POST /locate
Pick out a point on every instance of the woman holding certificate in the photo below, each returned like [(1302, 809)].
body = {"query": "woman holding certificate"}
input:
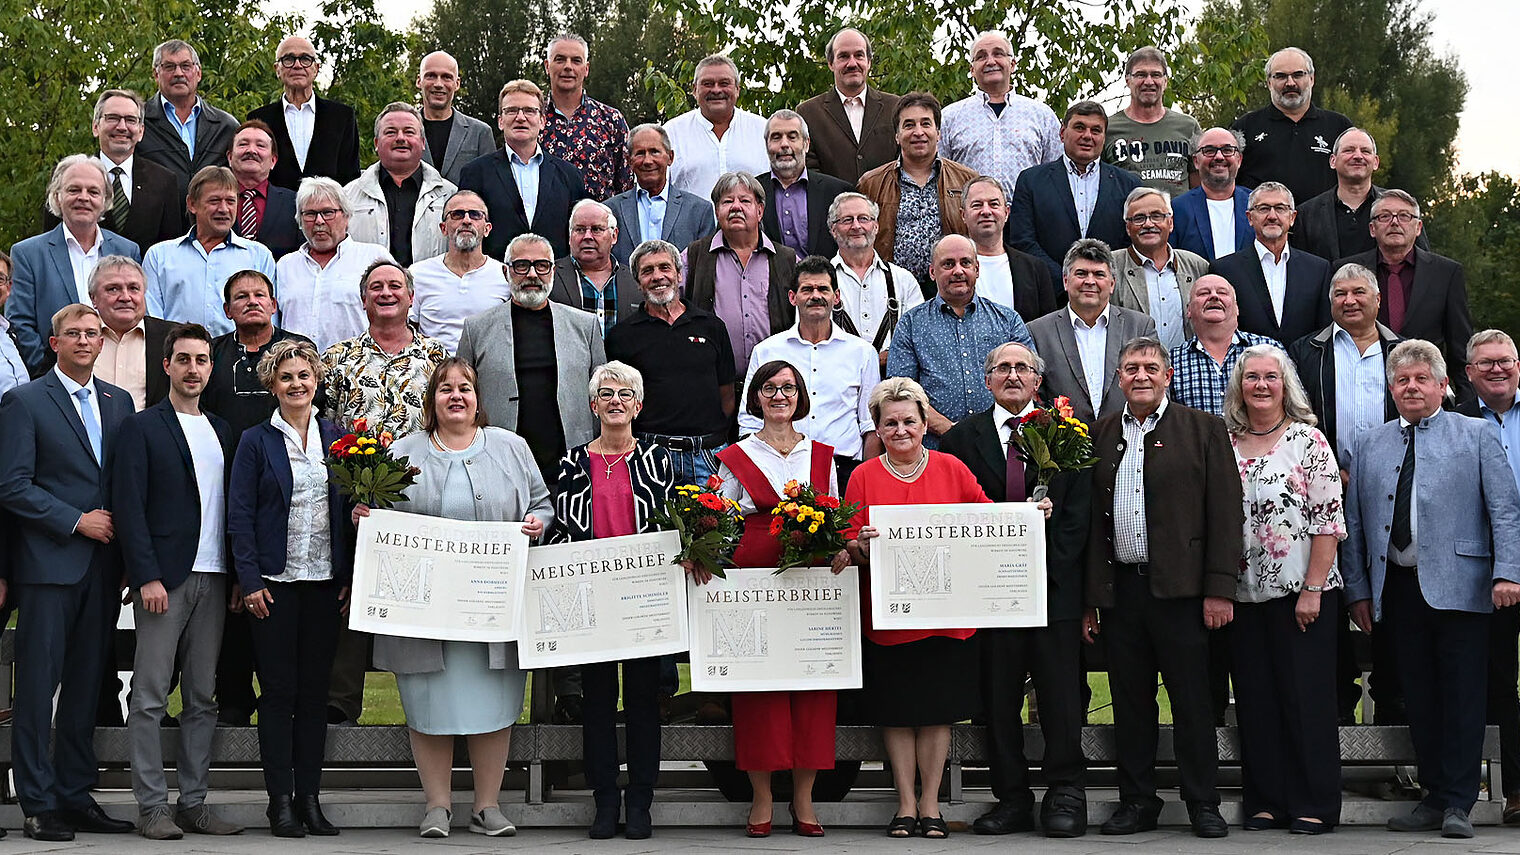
[(778, 730), (1286, 600), (470, 471), (917, 682), (610, 487), (288, 526)]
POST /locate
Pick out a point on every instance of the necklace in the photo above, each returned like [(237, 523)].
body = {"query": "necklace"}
[(913, 473), (1268, 431), (783, 446), (610, 465), (441, 447)]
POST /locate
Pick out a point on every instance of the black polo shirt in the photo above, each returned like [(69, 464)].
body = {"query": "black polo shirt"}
[(685, 365), (233, 390), (1294, 153)]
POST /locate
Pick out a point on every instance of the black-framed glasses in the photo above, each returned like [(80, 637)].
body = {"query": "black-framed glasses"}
[(1003, 369), (294, 60), (1157, 217), (1226, 150), (461, 213), (527, 265), (607, 394), (1403, 218), (323, 214), (771, 390), (1503, 364), (128, 119)]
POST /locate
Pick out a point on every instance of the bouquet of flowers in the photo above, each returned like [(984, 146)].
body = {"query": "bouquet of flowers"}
[(365, 469), (1055, 441), (810, 526), (709, 525)]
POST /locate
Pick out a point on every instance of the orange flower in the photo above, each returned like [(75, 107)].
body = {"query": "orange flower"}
[(792, 489), (714, 482), (1063, 406), (361, 425), (386, 439)]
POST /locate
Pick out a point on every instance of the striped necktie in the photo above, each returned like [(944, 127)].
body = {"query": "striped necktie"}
[(121, 206), (248, 215)]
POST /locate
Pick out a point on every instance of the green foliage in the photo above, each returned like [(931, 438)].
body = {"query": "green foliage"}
[(494, 41), (1476, 220), (371, 66), (1213, 71)]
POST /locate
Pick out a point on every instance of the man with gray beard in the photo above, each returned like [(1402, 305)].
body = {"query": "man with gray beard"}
[(462, 282)]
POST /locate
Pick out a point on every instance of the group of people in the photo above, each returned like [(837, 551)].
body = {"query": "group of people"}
[(867, 294)]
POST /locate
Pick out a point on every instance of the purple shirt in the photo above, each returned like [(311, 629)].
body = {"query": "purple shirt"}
[(792, 213), (740, 298)]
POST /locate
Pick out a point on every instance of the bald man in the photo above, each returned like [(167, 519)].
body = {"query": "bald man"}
[(453, 139), (314, 136)]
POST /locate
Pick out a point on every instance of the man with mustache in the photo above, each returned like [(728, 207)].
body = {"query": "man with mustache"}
[(1336, 223), (1150, 276), (316, 282), (873, 292), (655, 209), (1008, 275), (590, 135), (316, 137), (132, 343), (186, 274), (462, 282), (452, 139), (1147, 137), (797, 198), (399, 199), (533, 358), (996, 131), (852, 122), (266, 212), (717, 137), (182, 132), (1203, 363), (841, 370), (1282, 291), (590, 279), (1290, 139), (1210, 219)]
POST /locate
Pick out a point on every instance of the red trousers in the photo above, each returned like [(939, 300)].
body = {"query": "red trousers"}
[(783, 730)]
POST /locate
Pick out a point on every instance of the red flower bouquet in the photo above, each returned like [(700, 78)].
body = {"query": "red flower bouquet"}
[(1055, 441), (365, 469), (709, 525), (810, 526)]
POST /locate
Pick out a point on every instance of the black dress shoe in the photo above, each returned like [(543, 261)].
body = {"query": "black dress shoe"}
[(310, 812), (1207, 823), (47, 825), (94, 820), (1131, 818), (283, 821), (604, 826), (638, 824), (1064, 815), (1005, 818)]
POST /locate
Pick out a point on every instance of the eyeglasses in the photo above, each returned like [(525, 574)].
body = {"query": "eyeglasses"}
[(589, 230), (528, 265), (459, 214), (1153, 217), (1003, 369), (863, 219), (87, 335), (1148, 75), (1295, 76), (303, 60), (118, 119), (324, 214), (606, 394), (770, 390), (525, 111), (187, 66), (1403, 218), (5, 279), (1503, 364), (1226, 150), (1279, 210)]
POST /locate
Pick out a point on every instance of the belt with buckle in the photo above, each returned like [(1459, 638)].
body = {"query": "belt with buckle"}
[(686, 443), (1141, 569)]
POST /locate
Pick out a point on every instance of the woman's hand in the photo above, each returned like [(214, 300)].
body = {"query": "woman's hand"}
[(258, 603), (360, 510), (1047, 507), (1306, 610), (533, 527), (343, 601), (697, 574), (841, 561)]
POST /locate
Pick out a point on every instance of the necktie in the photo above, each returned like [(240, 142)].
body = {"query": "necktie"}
[(248, 215), (91, 424), (120, 205), (1401, 501), (1014, 489)]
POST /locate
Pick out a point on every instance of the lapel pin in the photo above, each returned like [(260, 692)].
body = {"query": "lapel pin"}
[(1158, 444)]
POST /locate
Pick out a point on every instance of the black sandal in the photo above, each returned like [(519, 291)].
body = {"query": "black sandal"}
[(933, 827), (904, 824)]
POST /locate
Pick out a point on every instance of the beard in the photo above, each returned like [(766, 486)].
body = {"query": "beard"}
[(465, 241), (534, 298)]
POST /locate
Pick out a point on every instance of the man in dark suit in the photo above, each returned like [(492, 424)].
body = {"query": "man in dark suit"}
[(525, 188), (266, 212), (1050, 654), (1162, 560), (168, 496), (453, 139), (1283, 293), (1210, 219), (144, 209), (1009, 276), (797, 198), (853, 120), (1337, 223), (314, 136), (181, 132), (1424, 294), (60, 438), (1047, 217), (1084, 370), (590, 279), (655, 209)]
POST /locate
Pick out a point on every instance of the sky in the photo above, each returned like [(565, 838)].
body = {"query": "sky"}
[(1479, 32)]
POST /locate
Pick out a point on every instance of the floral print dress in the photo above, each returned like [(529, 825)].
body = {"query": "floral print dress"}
[(1292, 494)]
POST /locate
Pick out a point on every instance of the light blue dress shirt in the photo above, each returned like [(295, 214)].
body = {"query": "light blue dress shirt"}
[(526, 176), (1509, 431), (185, 281), (1360, 387), (185, 129), (652, 213), (12, 367)]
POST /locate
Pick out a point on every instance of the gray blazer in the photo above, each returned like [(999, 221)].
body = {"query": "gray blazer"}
[(1129, 281), (1057, 345), (507, 486), (469, 138), (486, 343), (688, 217), (567, 287)]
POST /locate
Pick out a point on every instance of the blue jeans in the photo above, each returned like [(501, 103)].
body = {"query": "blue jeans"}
[(693, 467)]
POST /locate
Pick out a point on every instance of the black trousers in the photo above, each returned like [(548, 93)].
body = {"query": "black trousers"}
[(641, 706), (234, 671), (1285, 700), (1051, 655), (1144, 636), (1443, 667), (294, 649), (1503, 699)]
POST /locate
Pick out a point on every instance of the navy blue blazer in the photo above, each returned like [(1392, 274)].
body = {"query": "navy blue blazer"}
[(155, 499), (49, 479), (559, 188), (1190, 224), (1306, 305), (42, 282), (279, 230), (1042, 216), (258, 507)]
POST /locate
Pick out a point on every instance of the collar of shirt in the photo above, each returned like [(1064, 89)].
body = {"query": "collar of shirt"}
[(141, 327), (795, 334), (645, 195), (1078, 324), (70, 387), (1397, 266), (801, 179), (305, 251), (1424, 423), (172, 115), (313, 432), (933, 173), (233, 239), (580, 106), (125, 165), (1071, 166), (844, 269), (1153, 417), (718, 242), (70, 241), (537, 158), (367, 342), (1000, 417), (1145, 260), (1483, 407), (260, 189), (1278, 115), (1262, 253), (845, 99), (939, 303), (309, 106)]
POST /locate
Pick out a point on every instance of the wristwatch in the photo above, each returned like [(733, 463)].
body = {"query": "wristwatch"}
[(1314, 589)]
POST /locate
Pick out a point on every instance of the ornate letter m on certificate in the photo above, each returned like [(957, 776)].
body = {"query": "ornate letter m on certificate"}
[(566, 608), (920, 570), (739, 634), (403, 578)]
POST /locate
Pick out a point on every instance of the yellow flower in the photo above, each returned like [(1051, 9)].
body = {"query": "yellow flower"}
[(776, 510), (369, 451), (813, 529)]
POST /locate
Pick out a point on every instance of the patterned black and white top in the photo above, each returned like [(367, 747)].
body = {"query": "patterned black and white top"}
[(653, 484)]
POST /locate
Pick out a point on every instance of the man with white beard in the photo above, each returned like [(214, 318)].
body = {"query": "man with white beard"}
[(462, 282)]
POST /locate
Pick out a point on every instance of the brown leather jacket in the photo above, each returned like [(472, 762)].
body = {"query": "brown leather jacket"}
[(880, 184)]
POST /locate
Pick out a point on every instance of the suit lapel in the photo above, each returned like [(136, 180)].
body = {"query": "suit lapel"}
[(504, 175), (988, 446), (818, 215), (171, 422), (155, 110), (58, 252), (1424, 301), (1118, 334), (1062, 189), (1108, 194), (544, 191), (70, 415), (1256, 285), (673, 202), (1200, 217), (1134, 283), (834, 108), (1073, 355), (279, 460), (205, 129)]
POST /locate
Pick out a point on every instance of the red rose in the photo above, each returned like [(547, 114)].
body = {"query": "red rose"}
[(361, 425), (798, 538), (348, 439), (714, 482)]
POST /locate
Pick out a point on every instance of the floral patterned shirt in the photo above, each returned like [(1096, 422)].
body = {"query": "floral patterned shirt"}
[(595, 141), (363, 380), (1292, 494), (918, 223)]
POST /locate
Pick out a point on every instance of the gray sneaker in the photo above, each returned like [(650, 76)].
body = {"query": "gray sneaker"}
[(1456, 824), (1422, 818), (435, 823), (200, 820), (492, 823), (157, 823)]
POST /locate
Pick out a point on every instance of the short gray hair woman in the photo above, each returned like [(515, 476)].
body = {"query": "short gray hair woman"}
[(1284, 650)]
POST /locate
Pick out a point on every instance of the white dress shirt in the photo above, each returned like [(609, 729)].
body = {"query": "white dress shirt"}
[(1092, 344), (300, 122), (777, 469), (701, 158), (323, 303), (308, 535), (995, 281), (82, 262), (865, 300), (1084, 190), (840, 373), (443, 300), (1276, 273), (854, 110), (126, 175), (1000, 418)]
